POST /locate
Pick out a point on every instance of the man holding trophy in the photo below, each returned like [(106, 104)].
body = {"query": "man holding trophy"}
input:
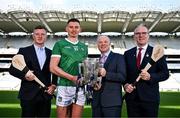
[(66, 55), (113, 74)]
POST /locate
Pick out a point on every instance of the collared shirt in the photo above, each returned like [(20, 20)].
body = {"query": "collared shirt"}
[(104, 56), (41, 55), (107, 53), (71, 41), (143, 51)]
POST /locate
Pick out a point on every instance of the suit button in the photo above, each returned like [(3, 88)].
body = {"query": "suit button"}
[(40, 87)]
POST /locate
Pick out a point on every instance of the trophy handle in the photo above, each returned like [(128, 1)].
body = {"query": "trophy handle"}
[(98, 82), (84, 73)]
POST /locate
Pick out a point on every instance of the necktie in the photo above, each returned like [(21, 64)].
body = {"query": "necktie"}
[(103, 59), (138, 59)]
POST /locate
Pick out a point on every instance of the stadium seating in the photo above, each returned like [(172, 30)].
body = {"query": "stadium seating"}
[(10, 45)]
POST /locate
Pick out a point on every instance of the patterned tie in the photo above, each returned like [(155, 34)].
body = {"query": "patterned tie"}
[(138, 59), (103, 59)]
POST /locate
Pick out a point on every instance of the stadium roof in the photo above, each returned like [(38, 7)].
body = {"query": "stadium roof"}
[(91, 21)]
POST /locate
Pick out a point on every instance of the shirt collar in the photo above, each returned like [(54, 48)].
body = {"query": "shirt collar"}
[(72, 42), (36, 47), (144, 47), (106, 53)]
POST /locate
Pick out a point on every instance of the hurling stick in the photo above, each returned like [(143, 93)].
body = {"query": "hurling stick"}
[(19, 63), (158, 52)]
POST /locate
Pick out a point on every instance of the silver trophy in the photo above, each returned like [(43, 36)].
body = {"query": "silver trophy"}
[(96, 83), (89, 76), (89, 70), (86, 70)]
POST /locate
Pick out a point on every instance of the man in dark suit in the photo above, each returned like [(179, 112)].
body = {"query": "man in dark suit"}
[(107, 100), (143, 99), (34, 101)]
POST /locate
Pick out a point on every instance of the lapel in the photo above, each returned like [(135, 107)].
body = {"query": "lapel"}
[(34, 57), (48, 55), (109, 58), (147, 57), (133, 57)]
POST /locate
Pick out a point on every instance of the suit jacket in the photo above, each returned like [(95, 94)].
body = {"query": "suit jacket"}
[(110, 93), (145, 90), (29, 89)]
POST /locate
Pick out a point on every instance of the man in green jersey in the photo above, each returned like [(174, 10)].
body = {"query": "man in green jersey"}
[(66, 55)]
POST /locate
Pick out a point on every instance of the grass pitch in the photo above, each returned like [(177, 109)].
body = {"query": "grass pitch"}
[(9, 105)]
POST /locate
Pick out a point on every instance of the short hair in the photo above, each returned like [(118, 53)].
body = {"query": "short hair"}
[(100, 36), (73, 20), (141, 25), (40, 27)]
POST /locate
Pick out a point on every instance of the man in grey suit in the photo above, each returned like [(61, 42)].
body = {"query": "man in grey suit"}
[(113, 75)]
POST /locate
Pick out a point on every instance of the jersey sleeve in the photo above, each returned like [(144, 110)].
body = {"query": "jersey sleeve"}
[(56, 52)]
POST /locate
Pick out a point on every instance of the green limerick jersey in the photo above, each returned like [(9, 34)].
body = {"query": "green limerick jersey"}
[(71, 54)]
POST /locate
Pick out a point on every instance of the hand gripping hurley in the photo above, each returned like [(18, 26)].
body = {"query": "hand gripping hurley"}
[(158, 52), (19, 63)]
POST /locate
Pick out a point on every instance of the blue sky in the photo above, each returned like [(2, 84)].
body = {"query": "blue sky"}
[(93, 5)]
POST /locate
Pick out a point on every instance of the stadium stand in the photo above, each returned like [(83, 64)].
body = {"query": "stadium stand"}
[(170, 42), (17, 42), (172, 84), (120, 45), (121, 22), (8, 82), (3, 42)]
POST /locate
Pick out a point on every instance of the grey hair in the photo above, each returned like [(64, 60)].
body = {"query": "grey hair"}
[(100, 36), (141, 25)]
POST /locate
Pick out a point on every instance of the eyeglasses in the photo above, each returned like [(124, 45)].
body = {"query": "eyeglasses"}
[(141, 33)]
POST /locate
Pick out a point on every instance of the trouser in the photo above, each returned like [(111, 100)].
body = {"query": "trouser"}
[(114, 111), (142, 109), (37, 107)]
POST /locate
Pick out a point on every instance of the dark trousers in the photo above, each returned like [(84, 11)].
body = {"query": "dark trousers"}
[(114, 111), (37, 107), (142, 109)]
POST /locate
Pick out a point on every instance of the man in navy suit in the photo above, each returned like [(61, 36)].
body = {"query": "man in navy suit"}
[(107, 100), (34, 101), (143, 99)]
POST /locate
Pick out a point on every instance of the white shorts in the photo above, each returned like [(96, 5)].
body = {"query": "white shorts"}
[(66, 96)]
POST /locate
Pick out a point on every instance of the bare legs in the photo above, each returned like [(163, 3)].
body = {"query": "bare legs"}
[(72, 111)]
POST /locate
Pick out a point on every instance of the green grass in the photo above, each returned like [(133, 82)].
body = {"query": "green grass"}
[(9, 105)]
